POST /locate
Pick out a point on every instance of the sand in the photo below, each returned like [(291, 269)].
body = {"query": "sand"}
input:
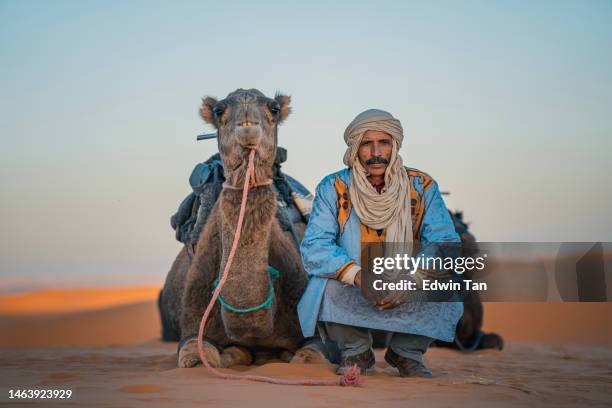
[(103, 344)]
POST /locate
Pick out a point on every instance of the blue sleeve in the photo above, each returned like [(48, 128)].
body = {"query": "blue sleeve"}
[(437, 227), (321, 255)]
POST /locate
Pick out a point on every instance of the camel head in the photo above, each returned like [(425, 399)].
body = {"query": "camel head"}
[(246, 119)]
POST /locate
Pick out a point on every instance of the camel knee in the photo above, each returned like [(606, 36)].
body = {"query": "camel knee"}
[(309, 354), (189, 355), (234, 355)]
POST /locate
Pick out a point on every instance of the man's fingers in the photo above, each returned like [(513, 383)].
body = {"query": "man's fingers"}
[(382, 305)]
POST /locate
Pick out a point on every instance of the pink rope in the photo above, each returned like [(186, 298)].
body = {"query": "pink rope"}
[(352, 374), (263, 183)]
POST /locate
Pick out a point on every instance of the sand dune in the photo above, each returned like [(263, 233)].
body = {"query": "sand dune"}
[(93, 317), (105, 347), (125, 324), (53, 301)]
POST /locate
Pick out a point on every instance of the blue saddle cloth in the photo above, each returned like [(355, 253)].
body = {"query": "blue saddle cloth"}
[(207, 179)]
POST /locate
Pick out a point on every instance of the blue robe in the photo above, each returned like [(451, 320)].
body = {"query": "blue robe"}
[(327, 247)]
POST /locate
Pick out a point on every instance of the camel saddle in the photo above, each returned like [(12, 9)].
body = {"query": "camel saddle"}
[(294, 200)]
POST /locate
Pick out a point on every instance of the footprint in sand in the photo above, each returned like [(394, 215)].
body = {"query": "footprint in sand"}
[(143, 388)]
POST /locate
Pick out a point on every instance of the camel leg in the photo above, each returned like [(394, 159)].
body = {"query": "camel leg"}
[(309, 354), (235, 355), (196, 295), (285, 257), (190, 357)]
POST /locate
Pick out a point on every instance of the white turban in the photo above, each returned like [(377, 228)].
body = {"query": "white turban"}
[(391, 208), (371, 119)]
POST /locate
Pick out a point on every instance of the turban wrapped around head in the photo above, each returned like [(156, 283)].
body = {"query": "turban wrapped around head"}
[(389, 209), (371, 119)]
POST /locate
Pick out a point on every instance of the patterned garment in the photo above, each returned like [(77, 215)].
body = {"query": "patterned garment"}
[(332, 243)]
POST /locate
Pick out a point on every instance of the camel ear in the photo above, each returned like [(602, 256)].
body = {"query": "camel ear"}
[(285, 109), (206, 110)]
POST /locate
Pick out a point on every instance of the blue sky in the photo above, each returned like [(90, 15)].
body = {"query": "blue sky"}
[(508, 105)]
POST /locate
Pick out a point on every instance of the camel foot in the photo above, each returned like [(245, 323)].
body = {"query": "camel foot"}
[(190, 357), (286, 356), (236, 356), (309, 354)]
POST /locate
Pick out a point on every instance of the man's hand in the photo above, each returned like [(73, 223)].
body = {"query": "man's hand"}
[(393, 299)]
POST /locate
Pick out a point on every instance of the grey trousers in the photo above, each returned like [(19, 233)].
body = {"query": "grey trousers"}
[(356, 340)]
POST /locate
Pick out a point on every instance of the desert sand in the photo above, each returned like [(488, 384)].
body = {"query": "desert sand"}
[(104, 345)]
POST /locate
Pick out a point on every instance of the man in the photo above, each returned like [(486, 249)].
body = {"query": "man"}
[(375, 199)]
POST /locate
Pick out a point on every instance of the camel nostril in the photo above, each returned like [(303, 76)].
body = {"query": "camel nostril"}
[(248, 123)]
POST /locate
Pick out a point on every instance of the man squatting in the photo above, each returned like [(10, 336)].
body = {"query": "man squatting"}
[(374, 199)]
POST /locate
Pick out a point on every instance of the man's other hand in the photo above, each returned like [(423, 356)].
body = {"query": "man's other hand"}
[(393, 299), (389, 305)]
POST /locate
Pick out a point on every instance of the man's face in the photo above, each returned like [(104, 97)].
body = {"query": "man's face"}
[(375, 152)]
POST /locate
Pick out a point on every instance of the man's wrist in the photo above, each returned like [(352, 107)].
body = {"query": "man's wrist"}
[(349, 274)]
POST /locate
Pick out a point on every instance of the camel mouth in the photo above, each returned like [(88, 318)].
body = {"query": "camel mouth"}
[(246, 150), (249, 144)]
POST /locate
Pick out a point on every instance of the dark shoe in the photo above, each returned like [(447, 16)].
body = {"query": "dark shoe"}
[(407, 367), (364, 361), (491, 340)]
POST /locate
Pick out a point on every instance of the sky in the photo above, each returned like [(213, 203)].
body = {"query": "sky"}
[(508, 105)]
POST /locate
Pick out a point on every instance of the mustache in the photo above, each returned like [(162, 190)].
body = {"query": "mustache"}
[(376, 160)]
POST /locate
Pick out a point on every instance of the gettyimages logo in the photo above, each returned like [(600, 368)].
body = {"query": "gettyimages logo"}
[(515, 271)]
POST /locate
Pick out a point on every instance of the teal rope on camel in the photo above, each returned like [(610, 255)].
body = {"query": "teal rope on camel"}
[(274, 274)]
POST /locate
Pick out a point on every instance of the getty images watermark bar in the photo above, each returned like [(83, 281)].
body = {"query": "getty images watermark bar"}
[(493, 271)]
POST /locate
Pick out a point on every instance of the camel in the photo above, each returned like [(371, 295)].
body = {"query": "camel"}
[(266, 279), (469, 335)]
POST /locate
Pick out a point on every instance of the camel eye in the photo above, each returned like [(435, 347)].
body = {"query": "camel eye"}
[(274, 108), (218, 110)]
